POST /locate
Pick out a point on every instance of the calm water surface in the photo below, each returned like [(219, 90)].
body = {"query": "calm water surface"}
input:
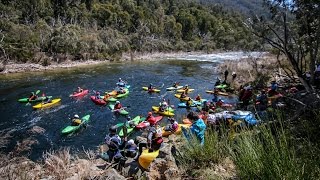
[(20, 118)]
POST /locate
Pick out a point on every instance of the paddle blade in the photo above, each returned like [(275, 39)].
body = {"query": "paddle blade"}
[(38, 91)]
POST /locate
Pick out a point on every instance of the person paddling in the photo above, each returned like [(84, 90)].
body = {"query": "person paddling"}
[(76, 121)]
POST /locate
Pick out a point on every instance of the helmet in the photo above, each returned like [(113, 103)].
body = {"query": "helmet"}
[(98, 93), (113, 129), (119, 78), (117, 102), (131, 142), (78, 87), (149, 113), (128, 118), (150, 84), (76, 116), (187, 85)]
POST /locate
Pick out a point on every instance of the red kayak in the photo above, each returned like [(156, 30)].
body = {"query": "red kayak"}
[(145, 124), (98, 101), (78, 94)]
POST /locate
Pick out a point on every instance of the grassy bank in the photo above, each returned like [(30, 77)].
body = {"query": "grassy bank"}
[(265, 152)]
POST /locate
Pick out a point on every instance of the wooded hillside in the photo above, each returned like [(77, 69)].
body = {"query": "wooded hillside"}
[(34, 30)]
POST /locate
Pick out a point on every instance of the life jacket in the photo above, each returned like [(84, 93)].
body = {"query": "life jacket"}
[(151, 119), (174, 126), (118, 106), (76, 121), (157, 136)]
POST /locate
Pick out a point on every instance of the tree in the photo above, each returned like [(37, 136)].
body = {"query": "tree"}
[(293, 30)]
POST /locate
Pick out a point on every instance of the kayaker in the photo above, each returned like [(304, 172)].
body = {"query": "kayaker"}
[(76, 121), (150, 87), (183, 94), (150, 118), (198, 97), (189, 102), (234, 75), (186, 88), (80, 90), (262, 101), (273, 88), (114, 142), (215, 95), (218, 82), (98, 95), (175, 84), (173, 126), (226, 73), (154, 138), (121, 90), (219, 103), (47, 100), (163, 105), (106, 97), (121, 83), (118, 105), (197, 128), (130, 149), (33, 96), (246, 97)]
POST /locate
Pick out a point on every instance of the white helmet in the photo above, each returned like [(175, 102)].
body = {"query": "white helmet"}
[(76, 116), (131, 142), (117, 102)]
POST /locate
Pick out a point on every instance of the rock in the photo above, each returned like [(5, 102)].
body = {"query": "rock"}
[(140, 139), (2, 67), (36, 130)]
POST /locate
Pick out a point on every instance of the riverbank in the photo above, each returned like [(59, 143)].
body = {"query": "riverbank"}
[(12, 67)]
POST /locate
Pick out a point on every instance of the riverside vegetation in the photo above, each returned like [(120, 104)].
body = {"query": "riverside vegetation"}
[(48, 31)]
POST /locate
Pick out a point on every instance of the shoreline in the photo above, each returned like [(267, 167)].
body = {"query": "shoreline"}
[(15, 68)]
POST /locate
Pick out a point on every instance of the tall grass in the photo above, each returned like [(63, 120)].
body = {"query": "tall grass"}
[(265, 152), (194, 156)]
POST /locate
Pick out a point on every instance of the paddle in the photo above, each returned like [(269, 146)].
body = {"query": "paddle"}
[(37, 92)]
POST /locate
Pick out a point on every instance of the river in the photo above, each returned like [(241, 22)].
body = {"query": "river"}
[(198, 71)]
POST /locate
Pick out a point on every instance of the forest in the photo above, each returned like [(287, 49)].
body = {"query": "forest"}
[(41, 31)]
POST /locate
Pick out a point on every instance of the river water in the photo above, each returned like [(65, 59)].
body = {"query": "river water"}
[(198, 71)]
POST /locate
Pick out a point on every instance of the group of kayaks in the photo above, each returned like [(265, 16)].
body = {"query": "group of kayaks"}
[(137, 122)]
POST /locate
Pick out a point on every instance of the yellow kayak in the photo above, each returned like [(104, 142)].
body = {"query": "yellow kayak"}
[(182, 99), (44, 105), (178, 131), (151, 90), (112, 93), (219, 93), (146, 158), (182, 90), (164, 113)]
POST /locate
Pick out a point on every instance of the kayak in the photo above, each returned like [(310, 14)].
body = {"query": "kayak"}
[(41, 98), (147, 157), (98, 101), (184, 105), (174, 88), (112, 93), (145, 124), (44, 105), (110, 99), (182, 90), (78, 94), (121, 111), (178, 131), (131, 125), (156, 108), (164, 113), (219, 93), (222, 86), (151, 90), (182, 99), (69, 129), (123, 95)]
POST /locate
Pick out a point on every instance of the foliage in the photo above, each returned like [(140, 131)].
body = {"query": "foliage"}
[(264, 152), (105, 29)]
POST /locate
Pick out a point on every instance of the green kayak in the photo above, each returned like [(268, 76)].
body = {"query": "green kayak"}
[(121, 111), (123, 95), (132, 124), (41, 98), (222, 86), (111, 99), (69, 129)]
